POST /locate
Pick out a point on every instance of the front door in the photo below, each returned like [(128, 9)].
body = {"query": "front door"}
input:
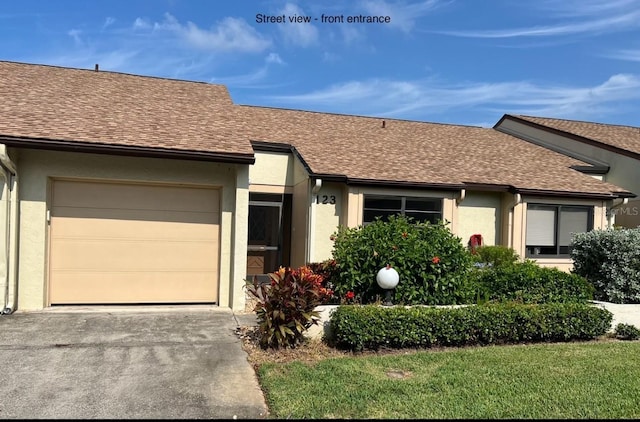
[(268, 242)]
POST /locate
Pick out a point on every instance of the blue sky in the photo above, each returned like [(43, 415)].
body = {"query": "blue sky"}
[(449, 61)]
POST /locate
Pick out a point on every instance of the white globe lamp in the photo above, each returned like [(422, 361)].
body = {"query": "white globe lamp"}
[(388, 278)]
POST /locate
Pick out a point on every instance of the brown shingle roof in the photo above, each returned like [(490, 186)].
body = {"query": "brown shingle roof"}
[(360, 149), (115, 109), (49, 106), (626, 138)]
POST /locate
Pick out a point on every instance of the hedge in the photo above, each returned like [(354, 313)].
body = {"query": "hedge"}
[(372, 327)]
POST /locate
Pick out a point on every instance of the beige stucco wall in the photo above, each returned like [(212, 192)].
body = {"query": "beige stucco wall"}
[(480, 213), (327, 217), (4, 262), (272, 169), (36, 168), (624, 171)]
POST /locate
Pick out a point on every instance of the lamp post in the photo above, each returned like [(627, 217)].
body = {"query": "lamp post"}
[(387, 278)]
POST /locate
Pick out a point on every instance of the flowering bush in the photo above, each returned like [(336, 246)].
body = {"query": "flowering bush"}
[(327, 270), (432, 263), (285, 307)]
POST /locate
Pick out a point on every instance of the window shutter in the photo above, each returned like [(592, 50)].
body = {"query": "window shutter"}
[(541, 227), (572, 220)]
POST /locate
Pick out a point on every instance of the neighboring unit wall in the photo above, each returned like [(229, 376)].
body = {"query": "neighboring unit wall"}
[(479, 213), (624, 171), (38, 166)]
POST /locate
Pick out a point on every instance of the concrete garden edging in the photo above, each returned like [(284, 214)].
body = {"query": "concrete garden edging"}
[(623, 313)]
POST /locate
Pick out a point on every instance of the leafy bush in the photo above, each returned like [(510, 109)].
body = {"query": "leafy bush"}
[(328, 270), (372, 327), (285, 307), (495, 256), (627, 332), (432, 263), (527, 282), (610, 260)]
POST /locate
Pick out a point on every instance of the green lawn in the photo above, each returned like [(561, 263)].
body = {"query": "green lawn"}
[(574, 380)]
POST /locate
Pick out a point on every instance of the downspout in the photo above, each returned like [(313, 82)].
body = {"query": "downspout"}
[(517, 199), (312, 220), (10, 174), (460, 198), (624, 201)]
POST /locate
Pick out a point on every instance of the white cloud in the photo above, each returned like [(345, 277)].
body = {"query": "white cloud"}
[(572, 17), (75, 34), (416, 98), (274, 58), (301, 34), (253, 79), (628, 55), (141, 23), (108, 22), (609, 24), (580, 8), (230, 34), (403, 15)]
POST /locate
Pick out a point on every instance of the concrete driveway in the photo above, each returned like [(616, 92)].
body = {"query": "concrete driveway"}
[(125, 364)]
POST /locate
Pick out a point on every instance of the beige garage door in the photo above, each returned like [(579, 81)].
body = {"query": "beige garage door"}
[(126, 243)]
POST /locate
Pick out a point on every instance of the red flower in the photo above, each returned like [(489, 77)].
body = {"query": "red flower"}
[(350, 295), (435, 260), (405, 234)]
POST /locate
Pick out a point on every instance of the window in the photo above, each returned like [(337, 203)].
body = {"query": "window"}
[(420, 209), (549, 228)]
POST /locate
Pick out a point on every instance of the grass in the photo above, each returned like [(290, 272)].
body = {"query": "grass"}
[(599, 379)]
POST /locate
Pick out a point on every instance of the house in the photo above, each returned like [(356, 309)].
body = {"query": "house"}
[(613, 149), (126, 189)]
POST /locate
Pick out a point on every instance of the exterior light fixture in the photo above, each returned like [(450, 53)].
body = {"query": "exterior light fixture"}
[(388, 278)]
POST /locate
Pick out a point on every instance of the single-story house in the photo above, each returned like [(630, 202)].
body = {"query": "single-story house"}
[(126, 189), (614, 149)]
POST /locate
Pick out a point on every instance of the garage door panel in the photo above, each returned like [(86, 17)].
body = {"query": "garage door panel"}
[(119, 243), (145, 287), (191, 217), (135, 197), (88, 228), (124, 255)]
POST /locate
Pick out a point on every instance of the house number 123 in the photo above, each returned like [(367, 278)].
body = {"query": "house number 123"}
[(325, 199)]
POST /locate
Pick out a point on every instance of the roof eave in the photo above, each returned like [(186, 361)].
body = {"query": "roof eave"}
[(578, 195), (569, 135), (126, 150)]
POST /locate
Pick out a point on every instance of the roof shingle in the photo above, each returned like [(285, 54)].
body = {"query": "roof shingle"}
[(623, 137), (50, 104), (360, 148), (98, 107)]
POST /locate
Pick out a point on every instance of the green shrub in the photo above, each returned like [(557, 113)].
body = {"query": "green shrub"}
[(328, 270), (495, 256), (527, 282), (372, 327), (432, 263), (285, 307), (610, 260), (627, 332)]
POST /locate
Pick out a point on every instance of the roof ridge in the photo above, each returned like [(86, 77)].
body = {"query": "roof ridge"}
[(112, 72), (577, 121), (359, 116)]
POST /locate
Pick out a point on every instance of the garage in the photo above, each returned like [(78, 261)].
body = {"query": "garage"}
[(125, 243)]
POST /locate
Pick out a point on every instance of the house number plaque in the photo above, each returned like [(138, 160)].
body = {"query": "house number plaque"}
[(325, 199)]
